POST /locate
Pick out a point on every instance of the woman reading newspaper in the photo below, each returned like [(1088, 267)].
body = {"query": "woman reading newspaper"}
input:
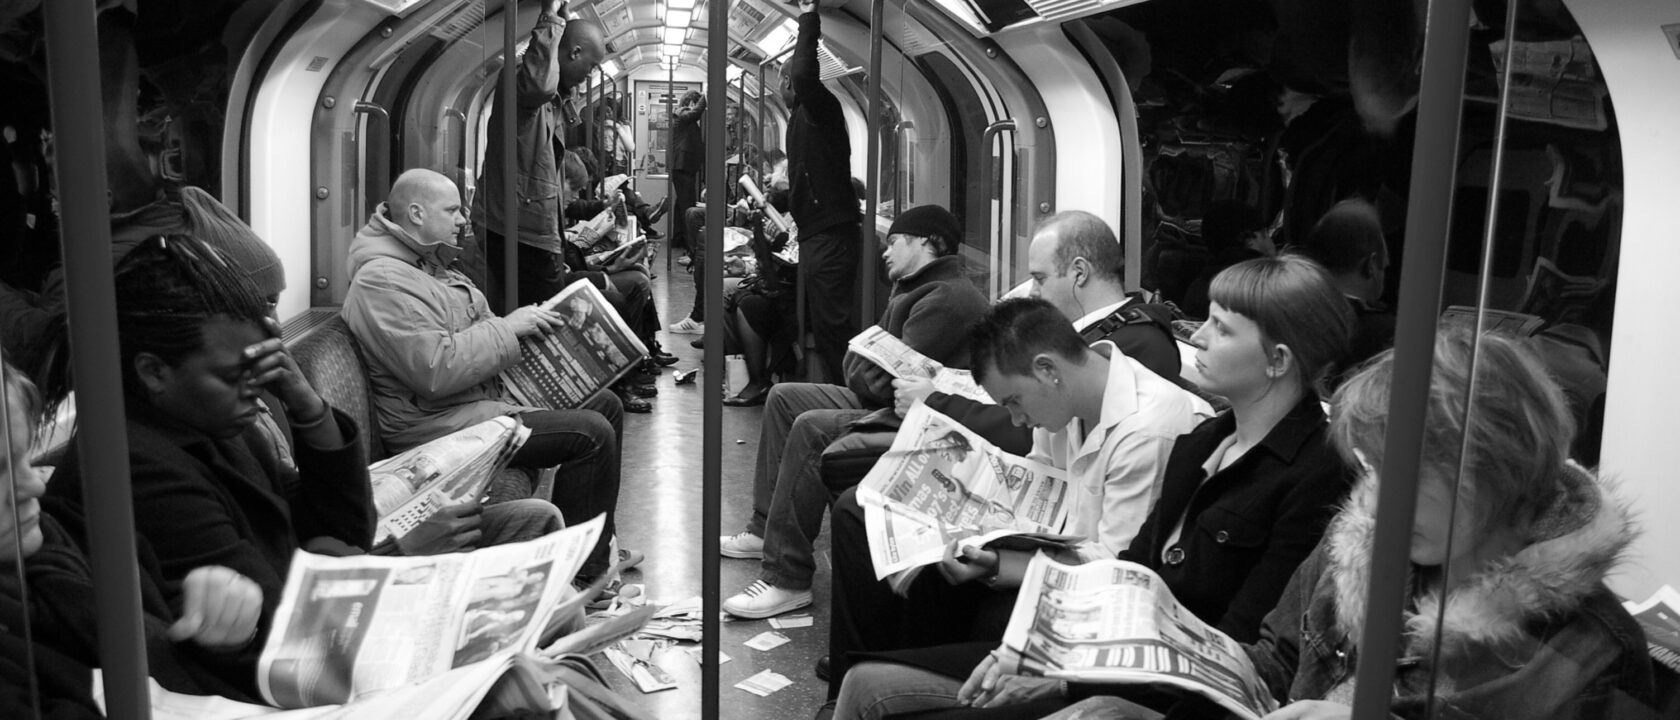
[(1244, 497)]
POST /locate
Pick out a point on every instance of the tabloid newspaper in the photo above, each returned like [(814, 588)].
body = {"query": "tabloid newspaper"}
[(350, 626), (1113, 621), (880, 347), (413, 486), (940, 483), (560, 370)]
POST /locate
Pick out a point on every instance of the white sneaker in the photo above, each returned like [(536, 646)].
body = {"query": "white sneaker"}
[(686, 326), (762, 600), (743, 545)]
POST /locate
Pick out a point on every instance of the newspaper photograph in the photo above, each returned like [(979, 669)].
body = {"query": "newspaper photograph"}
[(1659, 617), (561, 369), (891, 354), (349, 626), (411, 487), (941, 483), (1116, 622)]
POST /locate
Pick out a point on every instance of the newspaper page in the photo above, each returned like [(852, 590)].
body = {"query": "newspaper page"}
[(893, 355), (940, 483), (1114, 621), (508, 682), (411, 487), (1554, 81), (560, 370), (1659, 616), (349, 626)]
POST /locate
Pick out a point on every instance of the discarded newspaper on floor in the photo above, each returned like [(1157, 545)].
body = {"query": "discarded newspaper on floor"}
[(411, 487), (940, 482), (348, 626), (1112, 621), (592, 349), (902, 361)]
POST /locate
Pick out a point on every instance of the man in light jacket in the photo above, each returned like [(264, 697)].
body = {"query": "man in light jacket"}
[(434, 352)]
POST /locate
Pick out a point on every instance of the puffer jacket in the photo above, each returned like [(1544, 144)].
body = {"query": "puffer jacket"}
[(433, 347), (536, 178), (1535, 635)]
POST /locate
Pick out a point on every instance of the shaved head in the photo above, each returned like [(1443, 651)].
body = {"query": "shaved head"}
[(582, 47), (426, 204)]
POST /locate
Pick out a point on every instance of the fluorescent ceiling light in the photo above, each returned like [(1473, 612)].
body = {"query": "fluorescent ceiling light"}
[(678, 18), (670, 51), (610, 67), (732, 72), (675, 36), (680, 4)]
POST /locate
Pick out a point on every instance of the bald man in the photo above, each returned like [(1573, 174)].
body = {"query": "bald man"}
[(558, 57), (434, 350)]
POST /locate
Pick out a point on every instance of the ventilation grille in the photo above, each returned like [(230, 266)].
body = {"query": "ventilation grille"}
[(463, 19)]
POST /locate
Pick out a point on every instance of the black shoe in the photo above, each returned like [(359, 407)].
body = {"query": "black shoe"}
[(822, 668), (747, 400), (662, 359), (642, 390), (698, 342), (658, 211), (633, 404)]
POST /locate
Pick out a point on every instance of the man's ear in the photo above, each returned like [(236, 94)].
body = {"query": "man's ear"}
[(153, 372), (575, 53), (1082, 267), (1047, 368)]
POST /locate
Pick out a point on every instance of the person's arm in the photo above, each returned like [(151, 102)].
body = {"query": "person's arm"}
[(989, 421), (407, 336), (334, 497), (807, 81), (538, 76), (1134, 471), (871, 383), (1277, 654)]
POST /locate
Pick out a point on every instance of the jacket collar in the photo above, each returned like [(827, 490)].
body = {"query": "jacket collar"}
[(1284, 440), (945, 267), (1578, 541), (381, 237)]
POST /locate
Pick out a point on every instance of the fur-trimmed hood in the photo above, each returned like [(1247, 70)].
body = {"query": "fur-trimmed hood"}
[(1575, 543)]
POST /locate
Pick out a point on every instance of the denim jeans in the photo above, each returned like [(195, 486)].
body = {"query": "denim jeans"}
[(789, 499), (519, 520), (584, 443), (874, 689)]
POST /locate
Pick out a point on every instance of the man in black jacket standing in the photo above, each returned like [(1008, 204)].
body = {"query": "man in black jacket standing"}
[(823, 202)]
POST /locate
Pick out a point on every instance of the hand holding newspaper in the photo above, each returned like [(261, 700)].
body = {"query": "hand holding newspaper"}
[(560, 370), (349, 626), (1113, 621), (880, 347), (940, 483), (411, 487)]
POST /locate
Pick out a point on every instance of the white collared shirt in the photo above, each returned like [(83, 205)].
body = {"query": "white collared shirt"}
[(1114, 468), (1096, 316)]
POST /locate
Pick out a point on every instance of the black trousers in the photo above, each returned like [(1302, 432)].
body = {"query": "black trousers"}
[(541, 274), (865, 615), (828, 262), (685, 192)]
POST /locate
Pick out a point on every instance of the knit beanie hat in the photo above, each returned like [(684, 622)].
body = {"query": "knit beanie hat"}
[(211, 221), (930, 221)]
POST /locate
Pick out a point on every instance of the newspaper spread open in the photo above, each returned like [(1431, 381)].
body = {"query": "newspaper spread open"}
[(902, 361), (561, 369), (413, 486), (940, 483), (348, 626), (1116, 622), (1659, 616)]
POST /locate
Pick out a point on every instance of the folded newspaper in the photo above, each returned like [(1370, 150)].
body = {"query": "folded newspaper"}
[(902, 361), (350, 626), (561, 369), (1112, 621), (411, 487), (941, 483), (1659, 616)]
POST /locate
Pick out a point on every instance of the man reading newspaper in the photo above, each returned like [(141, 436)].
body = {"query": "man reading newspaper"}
[(932, 303), (1097, 415)]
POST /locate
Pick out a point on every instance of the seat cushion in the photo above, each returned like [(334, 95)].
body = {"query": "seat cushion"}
[(331, 361)]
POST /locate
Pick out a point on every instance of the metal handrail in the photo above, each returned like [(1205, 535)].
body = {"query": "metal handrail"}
[(994, 191)]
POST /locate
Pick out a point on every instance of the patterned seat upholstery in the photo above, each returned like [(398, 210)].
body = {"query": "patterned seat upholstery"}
[(332, 362)]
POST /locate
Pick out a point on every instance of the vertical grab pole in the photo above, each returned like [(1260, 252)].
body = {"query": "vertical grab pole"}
[(675, 214), (1428, 218), (91, 298), (717, 102), (867, 254), (510, 160)]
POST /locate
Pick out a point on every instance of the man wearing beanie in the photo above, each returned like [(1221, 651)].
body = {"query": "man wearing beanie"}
[(932, 304), (821, 198)]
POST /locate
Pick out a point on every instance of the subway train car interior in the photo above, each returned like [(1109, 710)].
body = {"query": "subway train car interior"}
[(839, 358)]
